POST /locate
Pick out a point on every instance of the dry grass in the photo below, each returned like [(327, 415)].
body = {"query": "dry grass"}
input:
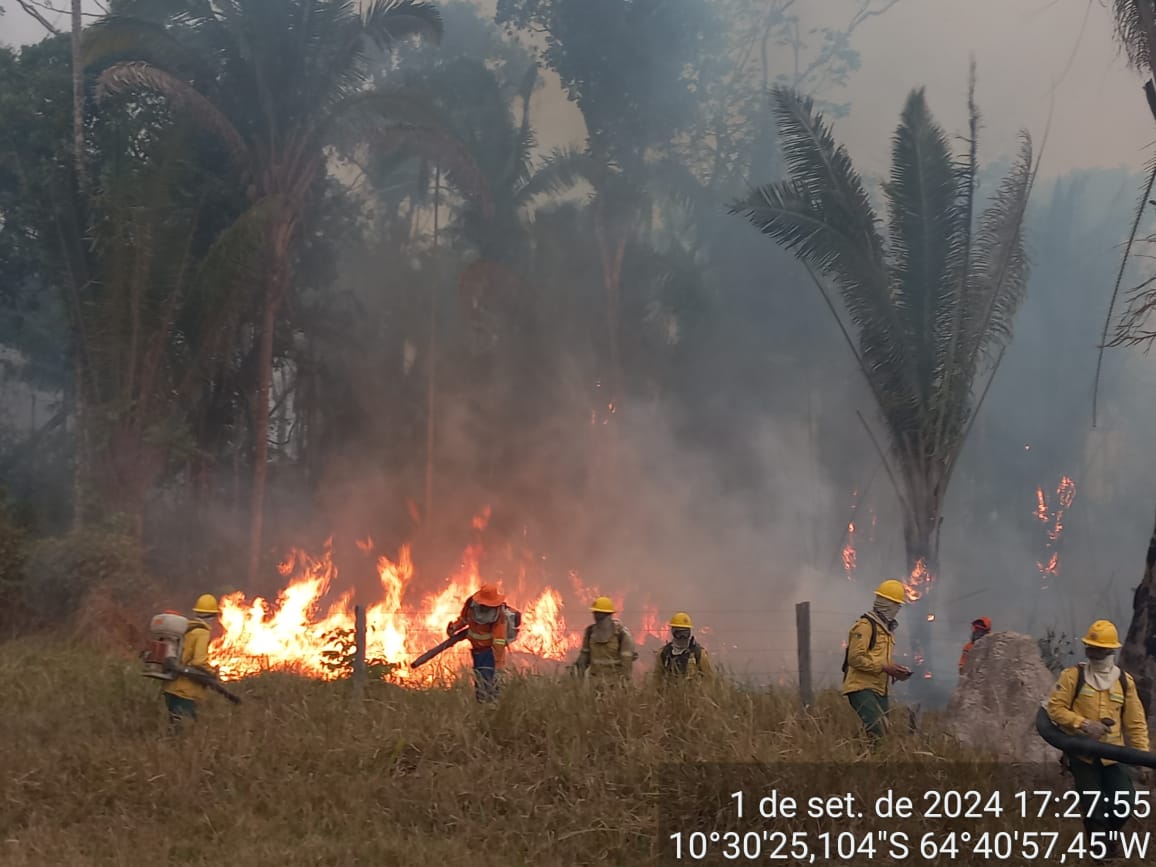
[(301, 773)]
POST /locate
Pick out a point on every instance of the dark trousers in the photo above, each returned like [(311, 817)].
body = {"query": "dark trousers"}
[(872, 709), (179, 708), (1095, 776), (485, 675)]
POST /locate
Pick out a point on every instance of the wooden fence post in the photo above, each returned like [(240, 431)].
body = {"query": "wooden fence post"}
[(358, 650), (803, 632)]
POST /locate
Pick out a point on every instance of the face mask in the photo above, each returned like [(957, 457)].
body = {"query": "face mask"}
[(680, 639), (603, 627), (1102, 666), (484, 613), (886, 608)]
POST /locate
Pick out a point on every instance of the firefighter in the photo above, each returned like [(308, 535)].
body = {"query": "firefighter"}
[(607, 646), (1097, 700), (682, 657), (867, 666), (980, 627), (183, 693), (484, 616)]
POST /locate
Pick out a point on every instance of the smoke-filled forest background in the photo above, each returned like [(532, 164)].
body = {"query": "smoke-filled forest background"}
[(641, 388)]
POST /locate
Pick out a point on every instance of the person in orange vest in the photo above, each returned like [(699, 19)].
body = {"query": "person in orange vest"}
[(980, 627), (484, 614)]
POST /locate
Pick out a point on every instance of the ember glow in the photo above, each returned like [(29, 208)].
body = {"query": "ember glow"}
[(918, 582), (295, 632), (849, 555), (1053, 519), (849, 552)]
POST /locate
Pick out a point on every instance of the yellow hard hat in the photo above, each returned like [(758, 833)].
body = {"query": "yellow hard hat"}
[(1102, 633), (602, 605), (206, 604), (891, 589), (681, 620)]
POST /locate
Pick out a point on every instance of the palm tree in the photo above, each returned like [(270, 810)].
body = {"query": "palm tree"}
[(932, 305), (1136, 31), (279, 84)]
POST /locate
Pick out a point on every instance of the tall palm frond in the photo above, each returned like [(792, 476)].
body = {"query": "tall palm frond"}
[(560, 172), (997, 273), (931, 308), (926, 221), (1134, 30), (824, 216), (136, 76), (144, 41), (387, 22)]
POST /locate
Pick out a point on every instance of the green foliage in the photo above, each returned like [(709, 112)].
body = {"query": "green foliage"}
[(13, 557), (61, 571), (338, 657), (630, 67), (35, 101)]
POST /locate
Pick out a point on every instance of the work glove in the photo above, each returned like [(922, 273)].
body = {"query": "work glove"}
[(1093, 729), (450, 629), (899, 672)]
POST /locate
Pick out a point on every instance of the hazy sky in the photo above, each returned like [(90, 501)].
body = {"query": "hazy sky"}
[(1023, 49)]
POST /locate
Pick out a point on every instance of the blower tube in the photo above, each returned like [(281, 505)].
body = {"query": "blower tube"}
[(1084, 746)]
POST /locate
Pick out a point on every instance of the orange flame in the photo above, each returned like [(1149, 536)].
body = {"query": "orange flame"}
[(849, 555), (1066, 492), (919, 581), (1049, 567), (1041, 506), (849, 552), (300, 633)]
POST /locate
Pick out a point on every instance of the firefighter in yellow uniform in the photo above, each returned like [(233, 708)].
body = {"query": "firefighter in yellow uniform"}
[(182, 694), (867, 666), (682, 658), (1097, 700), (607, 646)]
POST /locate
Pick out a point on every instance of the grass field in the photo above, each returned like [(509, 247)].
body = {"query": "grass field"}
[(301, 773)]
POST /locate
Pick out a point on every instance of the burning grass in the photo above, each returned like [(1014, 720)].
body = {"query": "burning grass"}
[(302, 773)]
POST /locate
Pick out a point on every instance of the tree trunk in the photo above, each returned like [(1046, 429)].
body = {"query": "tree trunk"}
[(921, 542), (77, 97), (261, 429), (1138, 656), (431, 360), (80, 441), (81, 456)]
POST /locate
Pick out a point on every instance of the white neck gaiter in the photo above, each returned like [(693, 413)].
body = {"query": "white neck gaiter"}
[(1102, 673), (603, 630)]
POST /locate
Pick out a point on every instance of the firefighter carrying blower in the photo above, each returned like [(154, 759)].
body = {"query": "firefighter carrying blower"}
[(1099, 701), (178, 653), (489, 625)]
